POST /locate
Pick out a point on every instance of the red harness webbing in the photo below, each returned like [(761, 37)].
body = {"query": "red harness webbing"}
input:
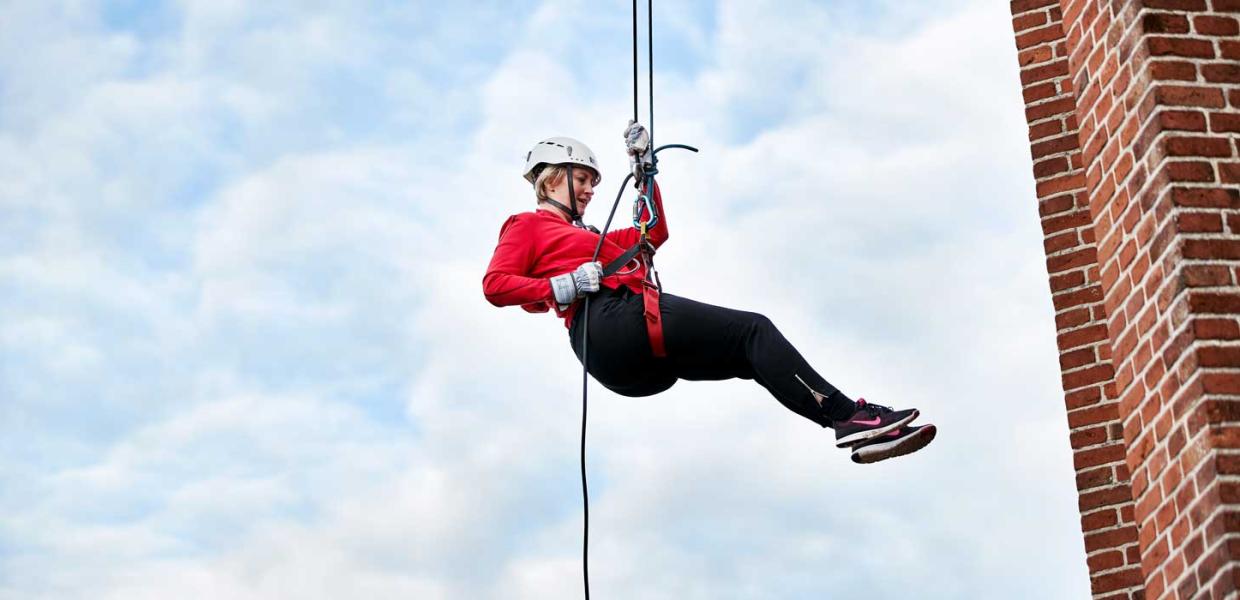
[(654, 318), (643, 252)]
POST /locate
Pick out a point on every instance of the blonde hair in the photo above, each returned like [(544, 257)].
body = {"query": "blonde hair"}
[(552, 175)]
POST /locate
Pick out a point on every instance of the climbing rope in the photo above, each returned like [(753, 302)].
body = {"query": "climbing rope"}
[(585, 337), (644, 201)]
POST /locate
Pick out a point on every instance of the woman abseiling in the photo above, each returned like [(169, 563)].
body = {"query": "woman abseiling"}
[(543, 262)]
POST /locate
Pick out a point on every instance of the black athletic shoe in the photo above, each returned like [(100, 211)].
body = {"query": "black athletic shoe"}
[(869, 421), (895, 443)]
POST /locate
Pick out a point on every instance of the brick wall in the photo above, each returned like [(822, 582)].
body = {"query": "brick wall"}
[(1095, 429), (1134, 111)]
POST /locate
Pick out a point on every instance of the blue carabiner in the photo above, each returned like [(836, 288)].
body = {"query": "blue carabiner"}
[(644, 201)]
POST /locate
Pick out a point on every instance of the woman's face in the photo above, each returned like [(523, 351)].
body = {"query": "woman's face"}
[(583, 186)]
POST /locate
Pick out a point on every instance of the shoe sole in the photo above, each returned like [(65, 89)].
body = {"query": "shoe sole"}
[(851, 440), (873, 453)]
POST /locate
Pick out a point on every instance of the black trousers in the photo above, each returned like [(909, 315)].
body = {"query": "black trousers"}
[(703, 342)]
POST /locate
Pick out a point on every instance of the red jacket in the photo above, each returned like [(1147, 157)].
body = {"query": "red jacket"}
[(536, 246)]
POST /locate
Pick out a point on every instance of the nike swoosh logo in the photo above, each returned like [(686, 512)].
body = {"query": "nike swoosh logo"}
[(876, 421)]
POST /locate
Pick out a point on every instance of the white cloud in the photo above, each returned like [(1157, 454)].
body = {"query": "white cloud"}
[(293, 387)]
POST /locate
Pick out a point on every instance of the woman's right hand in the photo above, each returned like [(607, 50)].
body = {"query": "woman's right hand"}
[(637, 142), (571, 286), (636, 138)]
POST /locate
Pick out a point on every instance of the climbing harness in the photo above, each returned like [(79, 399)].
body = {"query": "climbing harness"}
[(645, 217)]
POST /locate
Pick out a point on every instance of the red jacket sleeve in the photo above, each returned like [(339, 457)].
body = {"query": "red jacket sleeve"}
[(507, 282), (628, 236)]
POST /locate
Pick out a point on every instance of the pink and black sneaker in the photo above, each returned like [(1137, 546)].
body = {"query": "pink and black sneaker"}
[(896, 442), (870, 420)]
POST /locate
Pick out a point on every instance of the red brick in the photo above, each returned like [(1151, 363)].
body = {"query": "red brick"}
[(1161, 241), (1067, 281), (1221, 383), (1065, 106), (1029, 21), (1205, 197), (1199, 222), (1230, 50), (1225, 122), (1081, 398), (1206, 275), (1054, 146), (1175, 95), (1168, 46), (1022, 6), (1044, 72), (1173, 70), (1059, 243), (1216, 329), (1071, 260), (1051, 166), (1104, 561), (1198, 146), (1116, 580), (1083, 378), (1041, 91), (1214, 303), (1111, 538), (1217, 411), (1033, 56), (1100, 519), (1225, 437), (1049, 33), (1155, 587), (1221, 73), (1229, 172), (1098, 499), (1197, 5), (1190, 171), (1090, 437), (1165, 23), (1072, 318), (1174, 348), (1217, 356), (1211, 563), (1045, 130), (1056, 204), (1228, 464), (1214, 25), (1081, 337), (1229, 492), (1228, 249), (1182, 120)]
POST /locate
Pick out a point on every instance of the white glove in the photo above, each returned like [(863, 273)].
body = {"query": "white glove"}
[(636, 138), (571, 286), (637, 141)]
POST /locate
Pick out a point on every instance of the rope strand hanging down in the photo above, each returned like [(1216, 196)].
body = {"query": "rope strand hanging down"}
[(585, 338), (648, 189)]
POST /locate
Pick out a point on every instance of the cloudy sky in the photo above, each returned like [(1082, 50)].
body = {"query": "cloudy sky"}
[(245, 352)]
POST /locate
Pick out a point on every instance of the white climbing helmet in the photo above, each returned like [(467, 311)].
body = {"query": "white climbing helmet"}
[(557, 151)]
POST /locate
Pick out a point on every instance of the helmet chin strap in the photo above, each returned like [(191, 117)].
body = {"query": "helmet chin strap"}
[(572, 197), (563, 208), (572, 213)]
